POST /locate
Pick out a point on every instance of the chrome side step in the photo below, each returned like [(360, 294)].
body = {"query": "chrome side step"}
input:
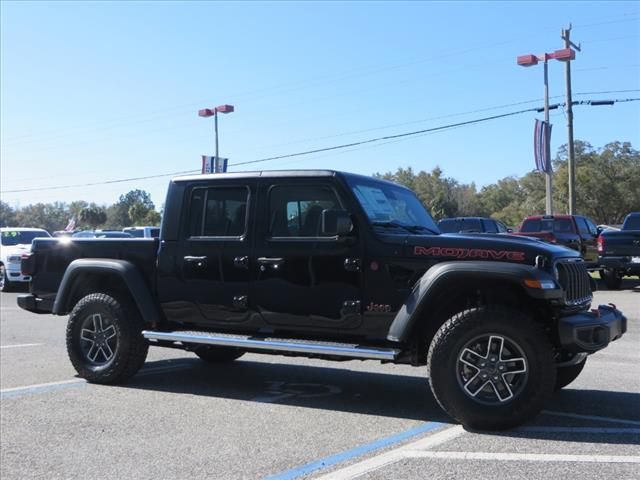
[(273, 344)]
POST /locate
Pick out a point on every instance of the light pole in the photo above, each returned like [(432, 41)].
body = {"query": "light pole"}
[(565, 54), (213, 112)]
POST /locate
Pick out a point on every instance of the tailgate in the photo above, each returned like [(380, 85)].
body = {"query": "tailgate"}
[(622, 244)]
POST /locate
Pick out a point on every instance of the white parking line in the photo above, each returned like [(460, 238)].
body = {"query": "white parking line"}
[(524, 457), (592, 417), (392, 456), (77, 382), (22, 345), (42, 386)]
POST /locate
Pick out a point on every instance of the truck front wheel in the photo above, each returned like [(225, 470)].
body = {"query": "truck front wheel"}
[(491, 368), (104, 339)]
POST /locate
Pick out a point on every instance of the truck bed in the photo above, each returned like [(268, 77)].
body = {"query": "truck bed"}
[(53, 255)]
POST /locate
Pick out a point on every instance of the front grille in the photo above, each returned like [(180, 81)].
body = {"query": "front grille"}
[(574, 279)]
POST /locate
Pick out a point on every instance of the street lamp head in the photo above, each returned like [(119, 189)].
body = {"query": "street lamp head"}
[(564, 55), (206, 112), (527, 60), (225, 108)]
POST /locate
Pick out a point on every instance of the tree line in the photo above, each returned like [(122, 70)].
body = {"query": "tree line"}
[(607, 188), (132, 208)]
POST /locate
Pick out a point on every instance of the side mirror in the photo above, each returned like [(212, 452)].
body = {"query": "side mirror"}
[(599, 230), (509, 230), (336, 222)]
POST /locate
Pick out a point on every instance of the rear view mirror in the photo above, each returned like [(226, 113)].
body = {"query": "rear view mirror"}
[(336, 222)]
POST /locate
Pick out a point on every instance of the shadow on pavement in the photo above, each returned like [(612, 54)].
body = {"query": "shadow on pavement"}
[(308, 386), (381, 394)]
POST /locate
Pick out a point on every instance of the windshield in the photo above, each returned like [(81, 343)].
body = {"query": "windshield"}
[(390, 206), (17, 237), (632, 222)]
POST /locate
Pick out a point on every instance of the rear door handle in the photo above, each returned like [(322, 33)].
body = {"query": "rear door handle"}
[(199, 261), (270, 260)]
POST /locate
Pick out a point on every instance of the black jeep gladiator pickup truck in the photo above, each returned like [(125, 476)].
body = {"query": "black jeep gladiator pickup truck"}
[(329, 265)]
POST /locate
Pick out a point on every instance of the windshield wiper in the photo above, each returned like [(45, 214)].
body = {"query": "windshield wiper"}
[(408, 228)]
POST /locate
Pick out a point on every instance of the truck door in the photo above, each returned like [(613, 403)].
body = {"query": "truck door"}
[(589, 238), (302, 278), (210, 284)]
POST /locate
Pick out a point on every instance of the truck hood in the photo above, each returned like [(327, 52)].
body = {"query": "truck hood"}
[(483, 246)]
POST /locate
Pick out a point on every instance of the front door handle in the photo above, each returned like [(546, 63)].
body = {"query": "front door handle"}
[(199, 261), (241, 262), (274, 262)]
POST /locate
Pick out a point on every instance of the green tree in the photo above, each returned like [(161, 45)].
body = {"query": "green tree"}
[(50, 216), (93, 216), (7, 215), (136, 202)]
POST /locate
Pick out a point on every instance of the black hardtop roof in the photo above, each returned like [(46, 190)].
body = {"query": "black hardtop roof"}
[(280, 174)]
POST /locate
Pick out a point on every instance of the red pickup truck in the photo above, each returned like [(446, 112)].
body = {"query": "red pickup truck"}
[(573, 231)]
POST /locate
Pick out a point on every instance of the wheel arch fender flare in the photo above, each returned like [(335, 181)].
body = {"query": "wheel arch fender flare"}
[(130, 275), (446, 274)]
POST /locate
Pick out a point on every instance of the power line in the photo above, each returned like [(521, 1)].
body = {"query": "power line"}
[(330, 148)]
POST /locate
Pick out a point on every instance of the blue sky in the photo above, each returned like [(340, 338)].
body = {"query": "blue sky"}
[(95, 91)]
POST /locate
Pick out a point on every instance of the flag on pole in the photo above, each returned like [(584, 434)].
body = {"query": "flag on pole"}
[(541, 138), (71, 225)]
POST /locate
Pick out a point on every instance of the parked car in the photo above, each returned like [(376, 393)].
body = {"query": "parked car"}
[(619, 252), (13, 243), (101, 234), (573, 231), (331, 265), (143, 232), (472, 225)]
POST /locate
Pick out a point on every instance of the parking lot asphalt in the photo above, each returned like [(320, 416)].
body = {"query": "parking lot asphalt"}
[(282, 418)]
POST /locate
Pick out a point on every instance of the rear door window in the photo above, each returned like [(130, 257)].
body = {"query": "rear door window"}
[(218, 212)]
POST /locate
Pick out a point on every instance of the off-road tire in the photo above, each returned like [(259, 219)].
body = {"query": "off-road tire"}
[(611, 278), (124, 327), (566, 375), (218, 354), (534, 386)]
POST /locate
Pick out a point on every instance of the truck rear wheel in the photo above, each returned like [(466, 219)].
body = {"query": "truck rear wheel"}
[(491, 368), (104, 339), (611, 278), (218, 354)]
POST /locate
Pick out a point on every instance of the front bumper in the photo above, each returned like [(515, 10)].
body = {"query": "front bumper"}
[(591, 331), (15, 275)]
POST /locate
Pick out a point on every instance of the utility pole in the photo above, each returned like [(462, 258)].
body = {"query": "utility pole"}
[(547, 143), (570, 151)]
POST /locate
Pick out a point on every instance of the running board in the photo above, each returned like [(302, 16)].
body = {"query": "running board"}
[(274, 344)]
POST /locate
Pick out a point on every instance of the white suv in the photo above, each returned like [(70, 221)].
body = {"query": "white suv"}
[(13, 243)]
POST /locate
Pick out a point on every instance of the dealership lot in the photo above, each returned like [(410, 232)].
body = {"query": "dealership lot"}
[(275, 417)]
